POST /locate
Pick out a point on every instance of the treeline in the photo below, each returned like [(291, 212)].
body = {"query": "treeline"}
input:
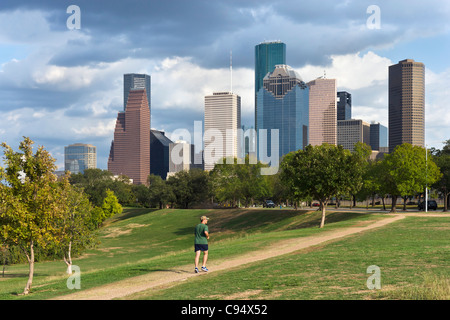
[(303, 176)]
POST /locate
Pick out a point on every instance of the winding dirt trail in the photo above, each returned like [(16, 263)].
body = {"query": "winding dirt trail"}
[(154, 280)]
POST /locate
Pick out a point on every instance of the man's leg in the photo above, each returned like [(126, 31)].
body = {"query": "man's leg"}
[(197, 257), (205, 258)]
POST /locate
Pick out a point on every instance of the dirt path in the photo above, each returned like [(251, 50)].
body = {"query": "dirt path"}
[(124, 288)]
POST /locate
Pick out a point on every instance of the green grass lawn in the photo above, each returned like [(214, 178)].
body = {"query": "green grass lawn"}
[(412, 254), (141, 241)]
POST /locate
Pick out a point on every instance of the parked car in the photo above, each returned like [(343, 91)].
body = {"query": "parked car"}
[(431, 205), (268, 204), (316, 204)]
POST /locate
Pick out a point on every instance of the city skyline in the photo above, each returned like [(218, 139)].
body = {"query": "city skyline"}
[(61, 86)]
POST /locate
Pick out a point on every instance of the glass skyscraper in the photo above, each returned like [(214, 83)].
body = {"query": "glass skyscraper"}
[(79, 157), (267, 56), (283, 103), (378, 137), (344, 105)]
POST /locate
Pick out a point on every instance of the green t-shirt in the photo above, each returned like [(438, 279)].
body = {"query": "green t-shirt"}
[(200, 237)]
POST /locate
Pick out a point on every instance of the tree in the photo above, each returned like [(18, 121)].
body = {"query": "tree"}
[(74, 224), (29, 200), (159, 192), (189, 187), (235, 181), (111, 205), (442, 160), (406, 172), (320, 171), (358, 166)]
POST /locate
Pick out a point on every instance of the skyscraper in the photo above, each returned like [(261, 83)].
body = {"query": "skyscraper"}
[(378, 137), (79, 157), (136, 81), (222, 120), (282, 104), (352, 131), (322, 111), (267, 56), (159, 155), (344, 105), (130, 150), (406, 104)]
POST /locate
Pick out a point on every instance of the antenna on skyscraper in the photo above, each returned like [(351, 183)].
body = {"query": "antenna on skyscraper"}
[(231, 71)]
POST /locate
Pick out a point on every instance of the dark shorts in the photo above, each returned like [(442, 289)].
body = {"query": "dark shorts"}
[(201, 247)]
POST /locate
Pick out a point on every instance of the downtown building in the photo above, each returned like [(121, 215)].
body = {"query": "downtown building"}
[(130, 150), (322, 111), (282, 104), (344, 105), (349, 132), (406, 104), (136, 81), (222, 136), (160, 153), (267, 55), (379, 137), (79, 157)]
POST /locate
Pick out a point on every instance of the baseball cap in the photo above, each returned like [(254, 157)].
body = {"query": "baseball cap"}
[(204, 218)]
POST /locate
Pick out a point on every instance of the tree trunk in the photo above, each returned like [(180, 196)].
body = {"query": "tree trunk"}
[(394, 204), (31, 269), (68, 261), (384, 204), (323, 206), (446, 194), (404, 203)]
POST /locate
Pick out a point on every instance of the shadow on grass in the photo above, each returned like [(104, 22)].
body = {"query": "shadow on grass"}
[(129, 213), (244, 220)]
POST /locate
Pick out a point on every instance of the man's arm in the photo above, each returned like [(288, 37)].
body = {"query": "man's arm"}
[(207, 234)]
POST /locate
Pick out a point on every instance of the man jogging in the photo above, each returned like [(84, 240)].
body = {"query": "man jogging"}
[(201, 243)]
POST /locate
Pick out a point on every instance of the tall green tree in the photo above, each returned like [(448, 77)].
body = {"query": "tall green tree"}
[(442, 160), (406, 172), (318, 171), (358, 162), (29, 200)]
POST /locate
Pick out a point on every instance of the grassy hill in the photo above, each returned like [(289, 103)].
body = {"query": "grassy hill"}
[(140, 241)]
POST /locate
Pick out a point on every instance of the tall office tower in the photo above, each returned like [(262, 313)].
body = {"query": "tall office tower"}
[(130, 150), (222, 122), (136, 81), (267, 56), (352, 131), (159, 156), (282, 104), (322, 111), (406, 104), (79, 157), (180, 156), (344, 105), (378, 137)]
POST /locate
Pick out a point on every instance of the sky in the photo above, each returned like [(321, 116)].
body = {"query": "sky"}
[(61, 85)]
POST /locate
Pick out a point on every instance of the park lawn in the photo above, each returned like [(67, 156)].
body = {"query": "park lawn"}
[(413, 255), (140, 241)]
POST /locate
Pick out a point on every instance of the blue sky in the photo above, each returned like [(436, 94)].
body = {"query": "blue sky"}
[(61, 86)]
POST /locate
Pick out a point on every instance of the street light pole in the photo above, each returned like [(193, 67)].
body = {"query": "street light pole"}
[(426, 179)]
